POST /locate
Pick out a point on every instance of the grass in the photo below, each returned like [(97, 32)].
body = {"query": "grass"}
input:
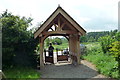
[(105, 63), (62, 46), (21, 72)]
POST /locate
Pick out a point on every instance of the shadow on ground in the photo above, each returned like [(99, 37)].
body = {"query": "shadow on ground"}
[(63, 70)]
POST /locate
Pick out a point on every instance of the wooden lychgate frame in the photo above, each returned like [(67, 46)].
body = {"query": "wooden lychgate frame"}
[(61, 24)]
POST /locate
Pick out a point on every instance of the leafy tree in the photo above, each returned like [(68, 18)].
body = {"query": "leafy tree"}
[(57, 41), (18, 44), (47, 42), (93, 36), (117, 36), (91, 39), (64, 40), (105, 42), (83, 39), (113, 33), (115, 51)]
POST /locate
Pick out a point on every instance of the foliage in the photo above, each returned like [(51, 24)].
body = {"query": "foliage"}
[(115, 48), (21, 72), (105, 42), (105, 64), (83, 39), (117, 36), (18, 44), (94, 36), (62, 46), (47, 42), (113, 33), (115, 51), (56, 41)]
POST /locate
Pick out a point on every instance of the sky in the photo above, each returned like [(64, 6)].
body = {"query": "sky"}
[(92, 15)]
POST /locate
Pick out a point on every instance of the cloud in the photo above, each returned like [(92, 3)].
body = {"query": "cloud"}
[(90, 14)]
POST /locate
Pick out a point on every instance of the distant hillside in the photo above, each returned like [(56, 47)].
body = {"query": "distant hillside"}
[(94, 36)]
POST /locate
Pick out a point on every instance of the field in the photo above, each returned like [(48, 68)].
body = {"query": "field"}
[(62, 46)]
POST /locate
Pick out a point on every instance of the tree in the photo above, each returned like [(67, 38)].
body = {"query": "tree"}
[(83, 39), (18, 44), (115, 51), (117, 36), (105, 42), (57, 41), (47, 42)]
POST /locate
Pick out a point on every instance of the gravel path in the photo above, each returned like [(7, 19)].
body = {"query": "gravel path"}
[(67, 70)]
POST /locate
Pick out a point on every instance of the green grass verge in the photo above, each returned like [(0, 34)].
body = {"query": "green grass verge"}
[(21, 72), (105, 63)]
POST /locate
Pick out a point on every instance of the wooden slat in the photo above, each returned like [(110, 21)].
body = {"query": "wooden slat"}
[(59, 32)]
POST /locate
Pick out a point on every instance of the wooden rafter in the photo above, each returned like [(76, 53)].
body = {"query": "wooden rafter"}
[(63, 25), (67, 23), (52, 29), (55, 26), (59, 22)]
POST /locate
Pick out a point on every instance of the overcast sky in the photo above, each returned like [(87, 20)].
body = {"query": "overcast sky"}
[(92, 15)]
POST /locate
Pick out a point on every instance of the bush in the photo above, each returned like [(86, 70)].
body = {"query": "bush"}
[(115, 51), (105, 43), (105, 64), (18, 43)]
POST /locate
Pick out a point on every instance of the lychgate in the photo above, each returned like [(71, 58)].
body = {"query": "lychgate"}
[(64, 25)]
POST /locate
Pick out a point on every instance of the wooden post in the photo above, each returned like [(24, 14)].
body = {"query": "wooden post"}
[(41, 53), (78, 50), (71, 47), (74, 46)]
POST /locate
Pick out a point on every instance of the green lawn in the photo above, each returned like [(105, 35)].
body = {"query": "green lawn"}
[(21, 72), (62, 46)]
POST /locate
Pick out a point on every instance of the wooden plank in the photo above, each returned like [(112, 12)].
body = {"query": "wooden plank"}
[(62, 57), (49, 59), (59, 32)]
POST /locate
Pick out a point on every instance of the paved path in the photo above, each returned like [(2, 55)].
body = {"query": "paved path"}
[(67, 70)]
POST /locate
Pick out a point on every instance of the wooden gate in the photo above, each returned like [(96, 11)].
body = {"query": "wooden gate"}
[(62, 55), (48, 58)]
